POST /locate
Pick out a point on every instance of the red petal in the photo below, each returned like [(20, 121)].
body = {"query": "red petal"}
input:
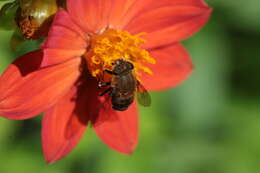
[(170, 22), (138, 8), (65, 40), (64, 124), (27, 91), (19, 68), (90, 15), (173, 66), (119, 9), (119, 130)]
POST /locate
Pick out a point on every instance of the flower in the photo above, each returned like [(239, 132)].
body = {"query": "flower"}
[(61, 80)]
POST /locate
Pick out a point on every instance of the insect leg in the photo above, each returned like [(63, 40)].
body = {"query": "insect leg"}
[(103, 84), (110, 72), (113, 92), (106, 91)]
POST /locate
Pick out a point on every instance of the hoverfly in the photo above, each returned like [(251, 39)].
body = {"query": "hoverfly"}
[(123, 86)]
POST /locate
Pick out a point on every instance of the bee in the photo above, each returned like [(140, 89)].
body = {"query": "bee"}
[(124, 86)]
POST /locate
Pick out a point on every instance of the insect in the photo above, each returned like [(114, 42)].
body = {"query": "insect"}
[(124, 86)]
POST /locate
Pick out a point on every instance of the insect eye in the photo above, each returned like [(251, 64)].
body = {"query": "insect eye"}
[(131, 66)]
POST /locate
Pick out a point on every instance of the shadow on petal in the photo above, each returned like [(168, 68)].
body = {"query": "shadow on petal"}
[(64, 124), (27, 92), (118, 130)]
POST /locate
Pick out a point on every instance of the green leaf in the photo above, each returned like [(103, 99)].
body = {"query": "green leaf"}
[(7, 16)]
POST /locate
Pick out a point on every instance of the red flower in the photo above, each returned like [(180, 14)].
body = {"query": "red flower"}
[(61, 80)]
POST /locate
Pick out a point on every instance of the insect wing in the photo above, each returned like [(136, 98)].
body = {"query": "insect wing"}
[(143, 97)]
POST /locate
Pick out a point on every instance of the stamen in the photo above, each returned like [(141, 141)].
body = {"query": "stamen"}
[(111, 45)]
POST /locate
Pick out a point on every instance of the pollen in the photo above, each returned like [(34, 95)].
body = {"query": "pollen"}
[(107, 47)]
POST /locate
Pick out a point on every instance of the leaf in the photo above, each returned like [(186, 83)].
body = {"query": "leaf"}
[(7, 15)]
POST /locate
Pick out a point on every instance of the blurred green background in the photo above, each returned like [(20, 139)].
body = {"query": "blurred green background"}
[(209, 124)]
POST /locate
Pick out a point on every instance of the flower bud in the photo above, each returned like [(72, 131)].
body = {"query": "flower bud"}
[(35, 16)]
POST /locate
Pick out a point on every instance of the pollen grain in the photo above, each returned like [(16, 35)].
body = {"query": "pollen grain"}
[(107, 47)]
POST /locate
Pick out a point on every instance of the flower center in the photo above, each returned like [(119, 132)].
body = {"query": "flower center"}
[(112, 45)]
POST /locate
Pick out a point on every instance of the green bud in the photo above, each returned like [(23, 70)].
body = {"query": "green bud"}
[(35, 16)]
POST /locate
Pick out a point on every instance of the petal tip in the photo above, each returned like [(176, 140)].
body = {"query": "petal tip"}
[(51, 158), (49, 161), (129, 151)]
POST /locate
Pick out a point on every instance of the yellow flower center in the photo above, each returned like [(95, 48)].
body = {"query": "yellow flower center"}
[(111, 45)]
